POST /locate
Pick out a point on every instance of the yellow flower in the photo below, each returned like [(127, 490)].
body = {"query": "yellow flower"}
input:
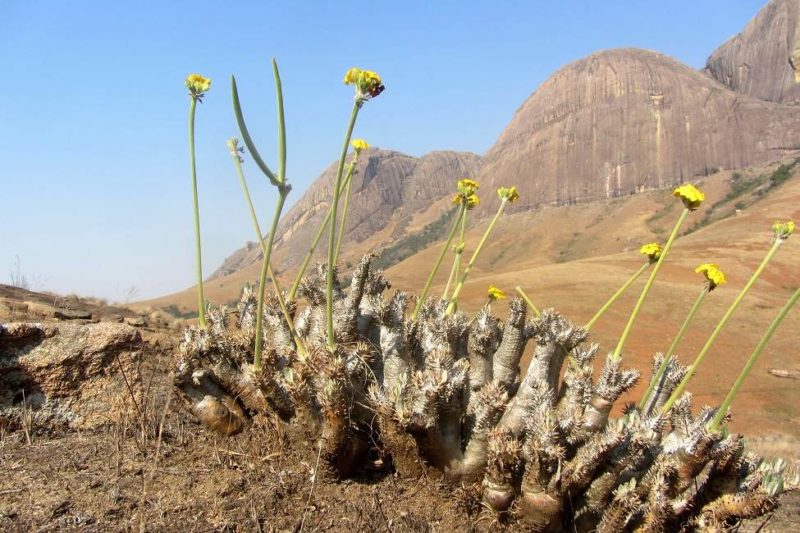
[(783, 229), (197, 85), (368, 83), (467, 186), (508, 194), (495, 293), (690, 195), (359, 145), (713, 274), (472, 200), (466, 193), (651, 250)]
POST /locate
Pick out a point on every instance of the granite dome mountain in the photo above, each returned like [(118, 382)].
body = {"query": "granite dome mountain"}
[(616, 123)]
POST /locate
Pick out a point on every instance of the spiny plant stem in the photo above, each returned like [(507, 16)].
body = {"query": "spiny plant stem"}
[(723, 409), (459, 214), (201, 306), (720, 326), (673, 346), (460, 285), (616, 295), (332, 236), (527, 301), (457, 258), (275, 285), (617, 355), (317, 238)]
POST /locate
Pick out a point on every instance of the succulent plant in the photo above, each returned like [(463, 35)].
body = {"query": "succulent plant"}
[(444, 392)]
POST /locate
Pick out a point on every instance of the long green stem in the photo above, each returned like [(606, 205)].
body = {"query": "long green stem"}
[(527, 301), (459, 214), (673, 346), (460, 285), (275, 285), (283, 191), (201, 306), (310, 253), (723, 409), (717, 330), (345, 207), (332, 236), (617, 355), (262, 278), (616, 295), (457, 258)]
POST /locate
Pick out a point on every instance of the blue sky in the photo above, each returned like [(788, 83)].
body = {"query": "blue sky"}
[(94, 178)]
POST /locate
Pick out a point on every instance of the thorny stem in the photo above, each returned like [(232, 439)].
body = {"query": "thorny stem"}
[(283, 191), (259, 234), (673, 346), (617, 355), (723, 409), (332, 237), (317, 238), (457, 258), (201, 307), (527, 300), (616, 295), (454, 298), (424, 294), (717, 330)]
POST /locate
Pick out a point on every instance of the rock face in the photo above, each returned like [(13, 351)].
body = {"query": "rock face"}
[(388, 187), (764, 59), (68, 374), (624, 121)]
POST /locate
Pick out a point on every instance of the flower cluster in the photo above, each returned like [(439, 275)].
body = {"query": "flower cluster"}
[(495, 293), (713, 275), (690, 195), (197, 85), (235, 149), (508, 194), (359, 145), (368, 84), (652, 250), (466, 193), (783, 229)]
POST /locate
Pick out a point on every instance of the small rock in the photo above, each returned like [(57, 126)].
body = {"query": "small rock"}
[(71, 314), (136, 321)]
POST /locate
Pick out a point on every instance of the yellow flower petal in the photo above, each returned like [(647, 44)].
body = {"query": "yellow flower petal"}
[(197, 84), (495, 293), (652, 250), (690, 195), (508, 194), (783, 229), (359, 145), (713, 274)]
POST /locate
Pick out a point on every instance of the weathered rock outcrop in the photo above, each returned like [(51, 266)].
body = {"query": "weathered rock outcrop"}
[(764, 59), (68, 374), (388, 186), (624, 121)]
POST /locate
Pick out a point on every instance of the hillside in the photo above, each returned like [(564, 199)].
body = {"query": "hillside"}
[(764, 59)]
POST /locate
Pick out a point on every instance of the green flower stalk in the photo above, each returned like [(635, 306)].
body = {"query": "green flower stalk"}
[(368, 85), (458, 249), (233, 146), (527, 301), (714, 278), (691, 198), (198, 86), (467, 198), (279, 181), (507, 195), (466, 195), (723, 409), (310, 253), (782, 232), (459, 214), (358, 146), (653, 252)]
